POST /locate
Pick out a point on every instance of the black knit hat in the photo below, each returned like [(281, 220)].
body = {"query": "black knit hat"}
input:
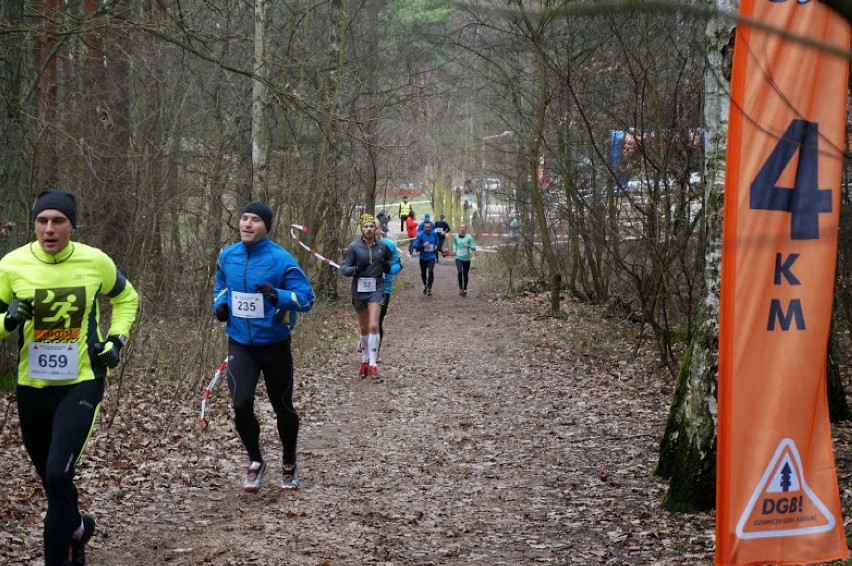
[(57, 199), (261, 209)]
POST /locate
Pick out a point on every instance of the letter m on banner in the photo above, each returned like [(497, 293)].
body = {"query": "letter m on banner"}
[(777, 497)]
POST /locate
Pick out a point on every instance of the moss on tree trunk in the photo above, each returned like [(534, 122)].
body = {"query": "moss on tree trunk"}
[(688, 447)]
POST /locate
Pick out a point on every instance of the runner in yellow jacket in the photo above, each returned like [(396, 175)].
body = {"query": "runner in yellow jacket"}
[(49, 297)]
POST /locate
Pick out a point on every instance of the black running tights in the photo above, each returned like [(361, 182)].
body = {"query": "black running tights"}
[(427, 272), (244, 366), (463, 268), (56, 422)]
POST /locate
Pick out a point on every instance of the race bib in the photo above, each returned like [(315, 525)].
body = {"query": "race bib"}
[(53, 361), (247, 305), (462, 252), (427, 247), (439, 230), (366, 284)]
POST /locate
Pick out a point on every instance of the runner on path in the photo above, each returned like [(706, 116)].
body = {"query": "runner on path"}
[(49, 296), (442, 228), (366, 261), (259, 289), (396, 267), (411, 231), (464, 246), (426, 243)]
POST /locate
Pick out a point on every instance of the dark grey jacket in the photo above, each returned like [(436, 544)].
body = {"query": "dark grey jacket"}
[(363, 261)]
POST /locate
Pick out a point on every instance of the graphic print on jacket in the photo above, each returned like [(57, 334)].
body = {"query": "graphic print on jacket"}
[(58, 314)]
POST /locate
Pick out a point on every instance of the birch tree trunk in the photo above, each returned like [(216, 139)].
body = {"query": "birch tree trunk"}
[(688, 448)]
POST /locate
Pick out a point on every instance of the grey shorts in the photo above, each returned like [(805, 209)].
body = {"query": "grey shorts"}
[(360, 300)]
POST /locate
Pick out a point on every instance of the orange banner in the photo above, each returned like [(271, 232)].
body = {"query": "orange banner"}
[(777, 497)]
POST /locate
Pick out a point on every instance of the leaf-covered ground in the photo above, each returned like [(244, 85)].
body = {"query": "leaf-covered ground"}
[(494, 436)]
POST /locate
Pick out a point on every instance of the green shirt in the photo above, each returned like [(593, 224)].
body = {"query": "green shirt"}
[(57, 345), (463, 245)]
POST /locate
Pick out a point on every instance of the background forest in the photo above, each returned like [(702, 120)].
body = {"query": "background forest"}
[(599, 127)]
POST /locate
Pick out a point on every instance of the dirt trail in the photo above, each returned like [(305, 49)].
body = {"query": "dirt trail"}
[(493, 437)]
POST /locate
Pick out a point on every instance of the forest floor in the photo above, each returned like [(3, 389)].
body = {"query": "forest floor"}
[(493, 436)]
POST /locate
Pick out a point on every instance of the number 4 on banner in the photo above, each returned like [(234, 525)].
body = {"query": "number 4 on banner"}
[(805, 201)]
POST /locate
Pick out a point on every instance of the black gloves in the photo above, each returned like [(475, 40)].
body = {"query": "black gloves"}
[(21, 309), (18, 311), (360, 268), (222, 313), (109, 351), (268, 291)]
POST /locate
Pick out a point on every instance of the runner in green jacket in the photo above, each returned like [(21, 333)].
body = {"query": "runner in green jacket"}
[(464, 246), (49, 297)]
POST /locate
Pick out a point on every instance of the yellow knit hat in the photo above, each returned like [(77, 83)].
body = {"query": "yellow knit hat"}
[(365, 218)]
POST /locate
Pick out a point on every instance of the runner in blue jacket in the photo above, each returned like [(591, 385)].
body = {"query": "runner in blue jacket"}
[(426, 243), (426, 218), (396, 267), (259, 289)]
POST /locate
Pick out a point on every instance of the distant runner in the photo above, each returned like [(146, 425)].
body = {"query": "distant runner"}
[(442, 228), (396, 267), (426, 243), (411, 232), (464, 246)]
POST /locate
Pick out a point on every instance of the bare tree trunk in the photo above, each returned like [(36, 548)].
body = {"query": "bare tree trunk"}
[(536, 37), (12, 213), (372, 113), (688, 447), (45, 161), (838, 408), (260, 103), (105, 119), (842, 7), (11, 126)]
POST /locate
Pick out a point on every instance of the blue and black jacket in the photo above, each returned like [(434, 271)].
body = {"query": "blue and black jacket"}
[(426, 240), (241, 269)]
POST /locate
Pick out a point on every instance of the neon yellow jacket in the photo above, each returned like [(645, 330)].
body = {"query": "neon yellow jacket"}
[(66, 311)]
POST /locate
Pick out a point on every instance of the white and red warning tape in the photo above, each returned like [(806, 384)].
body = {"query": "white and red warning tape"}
[(304, 229), (223, 367)]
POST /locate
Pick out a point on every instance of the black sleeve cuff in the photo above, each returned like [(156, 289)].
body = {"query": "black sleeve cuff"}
[(9, 323)]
